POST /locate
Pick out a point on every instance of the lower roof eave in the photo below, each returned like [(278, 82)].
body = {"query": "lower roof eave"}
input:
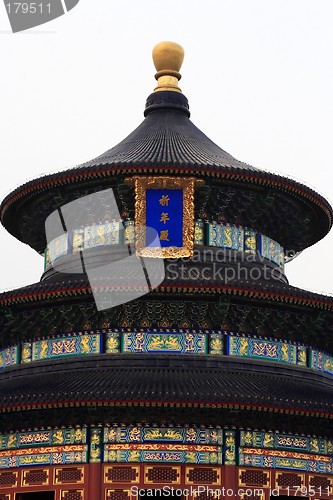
[(170, 404), (74, 286), (195, 381)]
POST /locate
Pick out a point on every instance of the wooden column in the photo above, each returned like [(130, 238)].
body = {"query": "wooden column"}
[(95, 481), (230, 481)]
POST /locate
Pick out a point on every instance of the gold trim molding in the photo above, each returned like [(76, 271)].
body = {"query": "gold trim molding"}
[(187, 184)]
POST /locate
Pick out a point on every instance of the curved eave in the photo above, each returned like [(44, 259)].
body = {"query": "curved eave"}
[(171, 404), (167, 142), (166, 381), (224, 172), (43, 292)]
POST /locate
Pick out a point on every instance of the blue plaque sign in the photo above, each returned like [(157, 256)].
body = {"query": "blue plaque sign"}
[(164, 213), (165, 204)]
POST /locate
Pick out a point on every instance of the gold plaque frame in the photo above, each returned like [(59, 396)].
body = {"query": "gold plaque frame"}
[(187, 184)]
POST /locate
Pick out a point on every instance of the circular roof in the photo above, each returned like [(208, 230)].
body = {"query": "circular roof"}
[(168, 142)]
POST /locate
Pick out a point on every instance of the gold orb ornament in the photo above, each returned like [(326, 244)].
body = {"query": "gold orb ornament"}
[(168, 58)]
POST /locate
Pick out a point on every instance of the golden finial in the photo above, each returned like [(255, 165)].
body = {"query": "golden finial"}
[(168, 58)]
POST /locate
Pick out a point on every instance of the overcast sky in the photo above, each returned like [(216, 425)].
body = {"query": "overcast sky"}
[(258, 75)]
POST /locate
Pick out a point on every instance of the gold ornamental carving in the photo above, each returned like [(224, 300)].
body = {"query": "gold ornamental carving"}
[(187, 185)]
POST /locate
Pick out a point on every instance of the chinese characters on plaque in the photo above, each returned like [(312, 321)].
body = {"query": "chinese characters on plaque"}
[(164, 212), (165, 204)]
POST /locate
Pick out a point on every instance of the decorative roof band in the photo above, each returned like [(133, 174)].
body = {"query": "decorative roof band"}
[(212, 234), (52, 291), (163, 341), (69, 177), (191, 444)]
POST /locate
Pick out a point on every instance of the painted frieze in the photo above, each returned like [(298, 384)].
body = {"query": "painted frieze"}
[(225, 236), (184, 343), (269, 350), (9, 356), (134, 434), (230, 448), (199, 232), (216, 343), (277, 441), (172, 453), (278, 459), (112, 342), (49, 437), (271, 250), (321, 362), (165, 212), (44, 456), (75, 345)]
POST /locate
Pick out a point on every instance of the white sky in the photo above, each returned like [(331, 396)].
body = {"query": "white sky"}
[(258, 75)]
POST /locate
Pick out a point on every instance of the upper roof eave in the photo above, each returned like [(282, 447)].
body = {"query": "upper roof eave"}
[(280, 293), (166, 142)]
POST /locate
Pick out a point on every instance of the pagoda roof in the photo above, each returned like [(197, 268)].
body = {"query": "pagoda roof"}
[(168, 381), (168, 138), (168, 142), (60, 306), (67, 285)]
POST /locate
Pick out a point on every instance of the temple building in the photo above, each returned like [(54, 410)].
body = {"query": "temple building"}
[(179, 362)]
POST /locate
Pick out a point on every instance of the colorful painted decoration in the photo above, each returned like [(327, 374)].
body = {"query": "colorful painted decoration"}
[(199, 232), (191, 454), (50, 437), (245, 240), (95, 449), (212, 342), (112, 342), (230, 448), (165, 204), (185, 343), (78, 240), (273, 440), (269, 350), (102, 234), (54, 455), (271, 250), (250, 241), (169, 444), (216, 343), (66, 346), (164, 211), (156, 444), (9, 356), (191, 435), (47, 258), (58, 247), (74, 345), (26, 354), (225, 236), (129, 232), (321, 362), (258, 457)]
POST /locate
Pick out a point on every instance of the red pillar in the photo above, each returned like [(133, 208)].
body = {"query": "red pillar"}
[(231, 480), (95, 481)]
